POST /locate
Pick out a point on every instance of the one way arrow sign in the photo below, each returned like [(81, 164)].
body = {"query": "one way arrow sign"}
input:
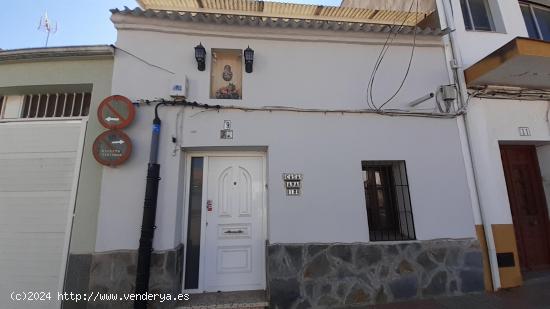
[(109, 119)]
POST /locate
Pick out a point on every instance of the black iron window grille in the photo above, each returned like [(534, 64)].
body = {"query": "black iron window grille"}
[(388, 201)]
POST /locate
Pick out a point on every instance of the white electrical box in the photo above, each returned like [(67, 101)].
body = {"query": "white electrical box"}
[(179, 87), (448, 93)]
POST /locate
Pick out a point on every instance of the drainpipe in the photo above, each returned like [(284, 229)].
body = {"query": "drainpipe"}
[(149, 213), (467, 147)]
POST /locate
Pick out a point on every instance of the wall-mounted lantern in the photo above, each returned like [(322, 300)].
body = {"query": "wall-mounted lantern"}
[(200, 55), (248, 59)]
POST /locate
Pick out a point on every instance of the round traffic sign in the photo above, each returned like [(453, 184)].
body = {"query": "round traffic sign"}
[(116, 112), (112, 148)]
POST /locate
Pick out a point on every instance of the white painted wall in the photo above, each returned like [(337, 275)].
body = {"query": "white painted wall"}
[(319, 70), (494, 121), (475, 45)]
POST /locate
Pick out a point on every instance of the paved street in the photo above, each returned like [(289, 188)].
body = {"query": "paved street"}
[(534, 294)]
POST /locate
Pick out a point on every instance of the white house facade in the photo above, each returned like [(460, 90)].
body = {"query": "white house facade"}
[(278, 175)]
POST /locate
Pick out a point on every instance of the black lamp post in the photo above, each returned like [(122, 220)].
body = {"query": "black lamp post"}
[(248, 59), (200, 55)]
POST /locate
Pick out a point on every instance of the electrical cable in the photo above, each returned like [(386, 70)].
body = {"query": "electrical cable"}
[(515, 94), (379, 60), (178, 129), (142, 60), (392, 34), (410, 60), (207, 107), (381, 56), (389, 41), (370, 99)]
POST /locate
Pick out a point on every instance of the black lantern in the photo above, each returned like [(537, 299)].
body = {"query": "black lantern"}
[(248, 59), (200, 55)]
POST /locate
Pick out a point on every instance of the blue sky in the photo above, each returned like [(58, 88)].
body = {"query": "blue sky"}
[(79, 22)]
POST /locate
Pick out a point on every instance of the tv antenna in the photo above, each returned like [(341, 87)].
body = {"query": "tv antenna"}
[(47, 25)]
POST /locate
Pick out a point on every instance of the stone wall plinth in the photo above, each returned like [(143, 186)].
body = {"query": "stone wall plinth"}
[(115, 272), (347, 275)]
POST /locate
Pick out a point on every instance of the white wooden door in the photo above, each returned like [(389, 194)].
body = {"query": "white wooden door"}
[(39, 163), (235, 243)]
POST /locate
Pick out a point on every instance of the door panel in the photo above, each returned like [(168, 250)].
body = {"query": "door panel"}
[(235, 253), (528, 205), (38, 161)]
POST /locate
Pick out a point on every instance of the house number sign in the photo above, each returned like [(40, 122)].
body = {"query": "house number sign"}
[(226, 133), (293, 184)]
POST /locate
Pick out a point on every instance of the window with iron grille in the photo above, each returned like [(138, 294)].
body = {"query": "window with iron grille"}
[(56, 105), (388, 201)]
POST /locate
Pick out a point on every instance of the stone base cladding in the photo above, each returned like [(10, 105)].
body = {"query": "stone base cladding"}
[(358, 274), (77, 278), (114, 272)]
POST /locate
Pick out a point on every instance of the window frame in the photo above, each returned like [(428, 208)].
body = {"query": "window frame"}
[(398, 224), (532, 7), (490, 17), (192, 254), (2, 105)]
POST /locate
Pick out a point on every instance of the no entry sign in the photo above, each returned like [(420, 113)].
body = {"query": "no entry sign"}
[(116, 112), (112, 148)]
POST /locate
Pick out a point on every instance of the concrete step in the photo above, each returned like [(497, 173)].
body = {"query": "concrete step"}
[(256, 299)]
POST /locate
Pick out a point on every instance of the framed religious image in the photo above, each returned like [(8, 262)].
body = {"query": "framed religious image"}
[(226, 80)]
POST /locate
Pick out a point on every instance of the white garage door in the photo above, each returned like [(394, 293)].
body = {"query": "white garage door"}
[(38, 166)]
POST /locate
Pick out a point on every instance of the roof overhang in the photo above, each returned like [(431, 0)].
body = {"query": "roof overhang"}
[(348, 12), (521, 63), (57, 53), (128, 16), (424, 6)]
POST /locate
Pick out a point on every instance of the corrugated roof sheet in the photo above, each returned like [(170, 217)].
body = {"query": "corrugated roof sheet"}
[(425, 6), (286, 10), (262, 21)]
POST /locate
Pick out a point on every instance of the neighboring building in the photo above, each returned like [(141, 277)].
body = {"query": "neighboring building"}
[(383, 210), (48, 99), (506, 53)]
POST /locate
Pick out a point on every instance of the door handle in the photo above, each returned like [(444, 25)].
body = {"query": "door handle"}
[(233, 232)]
